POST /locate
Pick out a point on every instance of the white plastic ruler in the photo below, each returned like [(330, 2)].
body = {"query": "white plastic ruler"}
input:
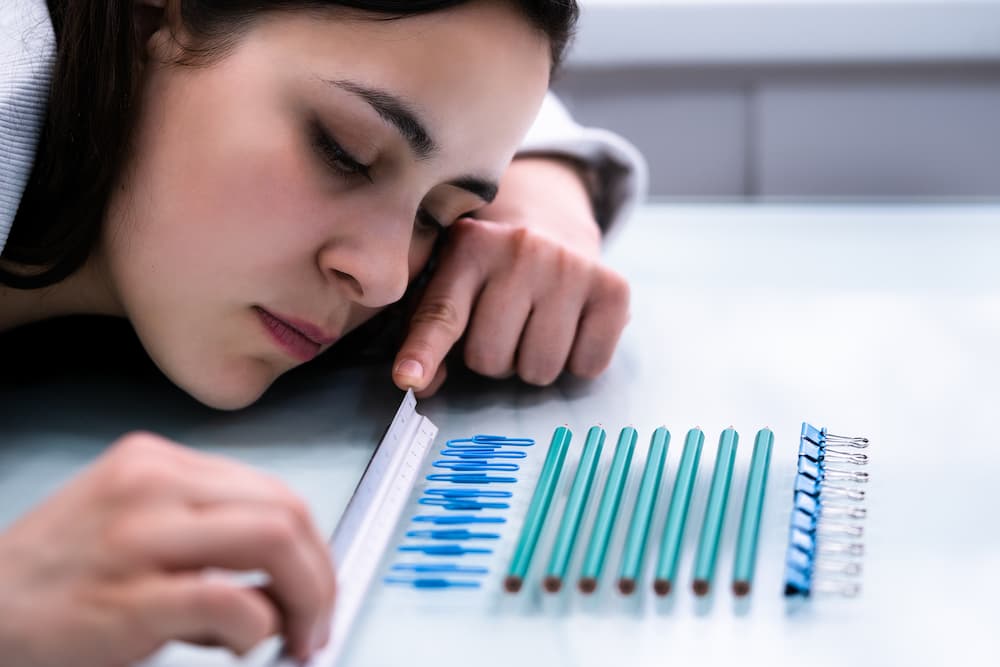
[(371, 516)]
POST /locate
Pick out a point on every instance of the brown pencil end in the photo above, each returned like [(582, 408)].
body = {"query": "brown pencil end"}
[(588, 585), (552, 584), (513, 584), (661, 587), (626, 586), (741, 588), (700, 587)]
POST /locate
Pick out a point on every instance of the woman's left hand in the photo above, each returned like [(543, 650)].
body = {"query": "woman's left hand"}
[(523, 282)]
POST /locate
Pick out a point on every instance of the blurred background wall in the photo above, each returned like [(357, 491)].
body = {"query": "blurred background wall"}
[(797, 98)]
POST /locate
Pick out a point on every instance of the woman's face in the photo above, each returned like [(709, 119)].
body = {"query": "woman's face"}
[(280, 196)]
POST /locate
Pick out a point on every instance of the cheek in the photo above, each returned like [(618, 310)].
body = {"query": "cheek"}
[(204, 227)]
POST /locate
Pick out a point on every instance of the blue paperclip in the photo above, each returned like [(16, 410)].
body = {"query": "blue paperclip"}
[(439, 568), (431, 583), (470, 444), (475, 454), (489, 441), (468, 493), (445, 549), (455, 534), (503, 440), (470, 478), (457, 519), (461, 504), (476, 466)]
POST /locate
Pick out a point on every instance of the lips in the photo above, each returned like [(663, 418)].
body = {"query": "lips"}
[(301, 340)]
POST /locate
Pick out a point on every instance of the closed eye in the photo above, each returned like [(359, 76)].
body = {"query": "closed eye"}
[(335, 156)]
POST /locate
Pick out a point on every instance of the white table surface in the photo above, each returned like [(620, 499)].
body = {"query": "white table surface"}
[(875, 320)]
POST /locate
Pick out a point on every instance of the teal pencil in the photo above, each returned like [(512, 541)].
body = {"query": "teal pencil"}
[(579, 494), (638, 530), (548, 480), (607, 511), (673, 530), (715, 512), (753, 505)]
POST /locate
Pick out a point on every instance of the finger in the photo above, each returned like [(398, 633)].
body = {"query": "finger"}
[(443, 311), (497, 323), (432, 388), (251, 537), (604, 318), (143, 466), (548, 336), (193, 608)]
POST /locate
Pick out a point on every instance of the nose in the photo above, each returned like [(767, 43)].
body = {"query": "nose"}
[(371, 266)]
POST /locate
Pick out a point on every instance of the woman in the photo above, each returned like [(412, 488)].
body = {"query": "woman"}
[(246, 182)]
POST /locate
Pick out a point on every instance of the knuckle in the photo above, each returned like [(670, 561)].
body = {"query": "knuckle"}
[(529, 248), (440, 312), (135, 469), (540, 374), (137, 443), (298, 511), (214, 598), (617, 288), (276, 533), (591, 360), (469, 232), (486, 360), (589, 367)]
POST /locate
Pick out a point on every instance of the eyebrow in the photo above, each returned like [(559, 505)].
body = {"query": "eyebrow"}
[(401, 115), (397, 113)]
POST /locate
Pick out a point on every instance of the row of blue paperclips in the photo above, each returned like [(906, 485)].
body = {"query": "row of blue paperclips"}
[(470, 463), (824, 544)]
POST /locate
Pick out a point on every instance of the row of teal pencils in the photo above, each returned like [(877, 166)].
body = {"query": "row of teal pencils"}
[(637, 537)]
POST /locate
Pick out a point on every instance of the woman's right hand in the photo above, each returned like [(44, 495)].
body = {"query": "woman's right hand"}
[(113, 565)]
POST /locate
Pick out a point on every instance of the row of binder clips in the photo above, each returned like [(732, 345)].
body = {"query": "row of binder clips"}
[(825, 548), (455, 523)]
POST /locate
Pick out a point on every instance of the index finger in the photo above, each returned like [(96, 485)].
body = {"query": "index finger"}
[(439, 320)]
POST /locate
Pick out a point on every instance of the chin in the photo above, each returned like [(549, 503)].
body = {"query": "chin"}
[(229, 390), (221, 400)]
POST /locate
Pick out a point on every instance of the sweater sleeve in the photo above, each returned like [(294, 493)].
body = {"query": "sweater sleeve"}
[(617, 171), (27, 51)]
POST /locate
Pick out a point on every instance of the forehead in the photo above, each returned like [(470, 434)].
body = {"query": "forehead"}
[(475, 74)]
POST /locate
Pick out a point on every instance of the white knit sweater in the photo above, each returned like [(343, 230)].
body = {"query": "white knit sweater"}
[(27, 51)]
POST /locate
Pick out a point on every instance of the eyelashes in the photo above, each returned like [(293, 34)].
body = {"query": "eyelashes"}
[(336, 156), (344, 164)]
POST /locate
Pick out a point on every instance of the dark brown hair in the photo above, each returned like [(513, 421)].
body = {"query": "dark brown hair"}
[(92, 108)]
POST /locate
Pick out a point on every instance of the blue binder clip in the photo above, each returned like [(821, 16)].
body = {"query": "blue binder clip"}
[(822, 512)]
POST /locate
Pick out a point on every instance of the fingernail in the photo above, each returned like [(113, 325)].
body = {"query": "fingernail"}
[(411, 369)]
